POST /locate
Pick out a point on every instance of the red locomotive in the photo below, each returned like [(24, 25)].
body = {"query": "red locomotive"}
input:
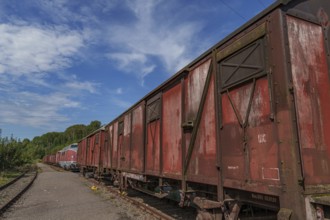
[(240, 131), (65, 158)]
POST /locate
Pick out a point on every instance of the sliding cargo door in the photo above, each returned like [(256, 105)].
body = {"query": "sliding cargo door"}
[(90, 150), (153, 122), (199, 126), (172, 132), (248, 143), (114, 150), (137, 144), (97, 150), (124, 142), (108, 142), (312, 98)]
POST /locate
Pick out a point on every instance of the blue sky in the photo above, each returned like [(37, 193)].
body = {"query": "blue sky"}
[(65, 62)]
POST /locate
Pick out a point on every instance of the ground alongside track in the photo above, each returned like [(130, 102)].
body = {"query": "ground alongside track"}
[(66, 195)]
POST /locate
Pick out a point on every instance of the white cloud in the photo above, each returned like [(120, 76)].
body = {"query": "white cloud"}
[(149, 37), (125, 59), (88, 86), (121, 103), (46, 106), (64, 11), (33, 49), (34, 90), (32, 109), (119, 91), (133, 62)]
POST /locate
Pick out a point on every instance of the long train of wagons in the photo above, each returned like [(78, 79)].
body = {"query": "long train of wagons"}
[(65, 158), (242, 131)]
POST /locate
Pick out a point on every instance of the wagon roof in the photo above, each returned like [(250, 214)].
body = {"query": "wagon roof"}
[(102, 128)]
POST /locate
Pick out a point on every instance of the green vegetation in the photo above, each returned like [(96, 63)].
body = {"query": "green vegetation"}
[(8, 176), (16, 153)]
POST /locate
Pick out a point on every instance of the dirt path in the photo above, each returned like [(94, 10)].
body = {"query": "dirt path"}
[(63, 195)]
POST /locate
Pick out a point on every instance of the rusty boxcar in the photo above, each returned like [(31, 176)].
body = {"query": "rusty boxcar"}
[(49, 159), (90, 152), (241, 130)]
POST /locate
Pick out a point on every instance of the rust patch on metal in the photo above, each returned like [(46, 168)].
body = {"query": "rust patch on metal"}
[(153, 148), (311, 90), (137, 142), (171, 128)]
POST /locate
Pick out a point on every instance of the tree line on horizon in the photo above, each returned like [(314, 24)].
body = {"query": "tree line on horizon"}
[(15, 152)]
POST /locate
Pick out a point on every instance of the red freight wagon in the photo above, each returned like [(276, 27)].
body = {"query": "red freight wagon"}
[(242, 130), (52, 159), (90, 152), (81, 153), (49, 159), (57, 157), (124, 143)]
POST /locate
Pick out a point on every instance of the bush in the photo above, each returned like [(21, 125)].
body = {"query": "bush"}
[(13, 154)]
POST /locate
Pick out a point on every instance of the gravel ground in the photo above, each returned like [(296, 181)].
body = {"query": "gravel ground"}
[(65, 195), (11, 191)]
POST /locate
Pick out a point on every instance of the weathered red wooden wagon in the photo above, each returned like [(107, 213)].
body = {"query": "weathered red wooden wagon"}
[(90, 152), (49, 159)]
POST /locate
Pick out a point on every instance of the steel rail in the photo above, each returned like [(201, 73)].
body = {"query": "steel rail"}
[(12, 181), (145, 207), (18, 195)]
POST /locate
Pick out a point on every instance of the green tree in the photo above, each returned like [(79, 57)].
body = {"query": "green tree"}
[(14, 152)]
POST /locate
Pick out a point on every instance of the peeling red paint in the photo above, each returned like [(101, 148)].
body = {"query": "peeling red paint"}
[(312, 95), (171, 130)]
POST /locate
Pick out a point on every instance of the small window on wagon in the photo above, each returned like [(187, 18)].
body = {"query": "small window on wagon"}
[(97, 137), (153, 111), (106, 136), (121, 128), (242, 65)]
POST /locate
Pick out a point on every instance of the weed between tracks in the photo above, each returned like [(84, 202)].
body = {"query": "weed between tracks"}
[(7, 176)]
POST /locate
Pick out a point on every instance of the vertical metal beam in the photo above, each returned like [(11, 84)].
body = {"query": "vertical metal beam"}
[(131, 140), (161, 135), (144, 121), (111, 145), (293, 108), (218, 116), (183, 139)]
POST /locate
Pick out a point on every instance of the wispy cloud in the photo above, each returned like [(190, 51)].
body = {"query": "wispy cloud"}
[(36, 49), (34, 109), (33, 89), (150, 38), (47, 106), (80, 86), (121, 103), (136, 63), (119, 91)]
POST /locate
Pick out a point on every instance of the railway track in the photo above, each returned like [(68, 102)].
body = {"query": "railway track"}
[(10, 192), (156, 208), (164, 208)]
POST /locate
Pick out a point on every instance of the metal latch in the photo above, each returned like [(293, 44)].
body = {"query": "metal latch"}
[(188, 125)]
